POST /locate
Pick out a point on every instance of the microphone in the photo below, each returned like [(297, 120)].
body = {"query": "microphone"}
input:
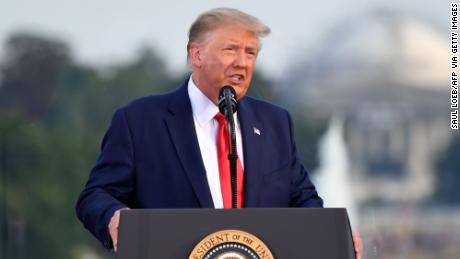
[(227, 100)]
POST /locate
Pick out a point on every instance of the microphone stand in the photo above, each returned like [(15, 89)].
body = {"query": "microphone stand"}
[(233, 154)]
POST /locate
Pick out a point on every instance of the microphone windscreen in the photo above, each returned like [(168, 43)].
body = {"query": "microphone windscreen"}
[(227, 92)]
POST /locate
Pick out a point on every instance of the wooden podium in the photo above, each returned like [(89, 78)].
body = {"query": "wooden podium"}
[(284, 233)]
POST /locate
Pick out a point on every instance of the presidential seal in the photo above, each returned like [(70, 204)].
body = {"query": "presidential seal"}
[(231, 244)]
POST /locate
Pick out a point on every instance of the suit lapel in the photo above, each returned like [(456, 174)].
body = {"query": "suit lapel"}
[(182, 130), (253, 140)]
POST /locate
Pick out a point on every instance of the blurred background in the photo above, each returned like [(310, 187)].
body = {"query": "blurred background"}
[(367, 82)]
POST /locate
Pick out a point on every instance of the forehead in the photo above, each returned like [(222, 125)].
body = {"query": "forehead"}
[(231, 33)]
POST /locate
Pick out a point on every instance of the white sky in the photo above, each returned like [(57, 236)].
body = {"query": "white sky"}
[(104, 31)]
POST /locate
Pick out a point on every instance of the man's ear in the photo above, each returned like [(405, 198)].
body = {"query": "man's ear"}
[(195, 55)]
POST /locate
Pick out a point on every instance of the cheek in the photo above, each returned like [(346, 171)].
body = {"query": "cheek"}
[(241, 91), (251, 64), (227, 62), (219, 64), (245, 86)]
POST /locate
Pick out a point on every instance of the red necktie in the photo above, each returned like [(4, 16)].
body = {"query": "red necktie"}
[(224, 166)]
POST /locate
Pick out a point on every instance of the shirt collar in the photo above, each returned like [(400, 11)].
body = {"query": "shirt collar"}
[(204, 109)]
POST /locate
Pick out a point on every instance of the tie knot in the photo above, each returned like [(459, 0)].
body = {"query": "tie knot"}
[(220, 118)]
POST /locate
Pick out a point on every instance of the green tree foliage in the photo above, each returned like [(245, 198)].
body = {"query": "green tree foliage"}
[(448, 167), (308, 131), (41, 60), (53, 113)]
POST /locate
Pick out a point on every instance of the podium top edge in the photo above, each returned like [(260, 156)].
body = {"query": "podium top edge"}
[(268, 210)]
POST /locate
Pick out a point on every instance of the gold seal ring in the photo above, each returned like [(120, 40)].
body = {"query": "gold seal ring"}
[(231, 244)]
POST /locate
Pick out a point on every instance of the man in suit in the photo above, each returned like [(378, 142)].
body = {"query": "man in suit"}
[(165, 151)]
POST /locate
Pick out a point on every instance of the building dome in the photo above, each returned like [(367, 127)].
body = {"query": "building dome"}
[(382, 55)]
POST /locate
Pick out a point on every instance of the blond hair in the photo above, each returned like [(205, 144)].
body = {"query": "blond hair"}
[(217, 17)]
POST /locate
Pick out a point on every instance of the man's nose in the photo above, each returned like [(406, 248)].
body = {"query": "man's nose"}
[(240, 59)]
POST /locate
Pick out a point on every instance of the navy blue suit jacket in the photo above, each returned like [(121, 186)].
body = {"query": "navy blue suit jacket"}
[(150, 158)]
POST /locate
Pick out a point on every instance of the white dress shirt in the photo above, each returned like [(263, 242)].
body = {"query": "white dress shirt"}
[(206, 127)]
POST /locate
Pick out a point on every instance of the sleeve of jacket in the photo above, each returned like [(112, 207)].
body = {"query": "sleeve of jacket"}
[(303, 192), (110, 183)]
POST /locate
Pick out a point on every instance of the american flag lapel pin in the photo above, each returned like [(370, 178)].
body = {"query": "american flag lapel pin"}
[(256, 131)]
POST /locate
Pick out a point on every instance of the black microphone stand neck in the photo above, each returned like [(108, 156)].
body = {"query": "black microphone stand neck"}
[(233, 154)]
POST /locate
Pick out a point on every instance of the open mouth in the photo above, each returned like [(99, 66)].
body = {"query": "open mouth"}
[(236, 79)]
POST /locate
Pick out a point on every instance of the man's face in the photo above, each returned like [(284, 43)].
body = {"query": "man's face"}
[(226, 56)]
